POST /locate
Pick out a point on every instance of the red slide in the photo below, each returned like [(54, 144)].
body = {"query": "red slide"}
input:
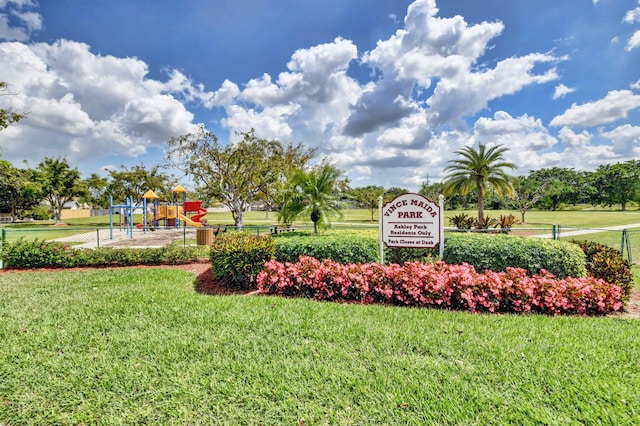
[(195, 206), (197, 217)]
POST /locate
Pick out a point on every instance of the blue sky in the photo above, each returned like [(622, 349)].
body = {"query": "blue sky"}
[(386, 89)]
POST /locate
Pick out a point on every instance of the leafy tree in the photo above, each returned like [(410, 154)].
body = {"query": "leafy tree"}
[(97, 188), (289, 160), (135, 181), (367, 197), (527, 191), (18, 193), (8, 116), (561, 186), (616, 183), (479, 170), (315, 194), (431, 191), (392, 193), (60, 183), (236, 174)]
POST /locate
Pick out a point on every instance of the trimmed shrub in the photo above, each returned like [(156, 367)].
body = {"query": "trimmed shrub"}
[(607, 263), (497, 252), (25, 254), (237, 258), (344, 247), (439, 285)]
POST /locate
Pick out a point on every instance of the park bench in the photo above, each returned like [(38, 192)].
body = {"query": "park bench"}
[(220, 229), (278, 229)]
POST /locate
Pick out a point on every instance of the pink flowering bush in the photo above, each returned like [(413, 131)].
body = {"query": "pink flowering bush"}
[(440, 285)]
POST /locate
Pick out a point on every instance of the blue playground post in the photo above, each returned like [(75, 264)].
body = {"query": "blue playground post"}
[(126, 213)]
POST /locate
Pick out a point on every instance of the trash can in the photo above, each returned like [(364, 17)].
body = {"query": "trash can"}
[(204, 236)]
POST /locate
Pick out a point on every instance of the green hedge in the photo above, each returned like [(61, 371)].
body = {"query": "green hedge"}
[(42, 254), (340, 247), (497, 252), (237, 258)]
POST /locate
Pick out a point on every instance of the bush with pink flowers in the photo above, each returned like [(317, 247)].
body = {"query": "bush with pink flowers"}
[(440, 285)]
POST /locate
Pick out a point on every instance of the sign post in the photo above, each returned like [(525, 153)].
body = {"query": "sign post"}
[(379, 226), (413, 221)]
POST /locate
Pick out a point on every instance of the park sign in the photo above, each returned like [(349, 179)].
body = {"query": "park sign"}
[(411, 220)]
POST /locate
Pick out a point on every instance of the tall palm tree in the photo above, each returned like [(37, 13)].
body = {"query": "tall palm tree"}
[(314, 194), (479, 170)]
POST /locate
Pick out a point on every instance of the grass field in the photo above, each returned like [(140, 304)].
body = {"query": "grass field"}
[(142, 347)]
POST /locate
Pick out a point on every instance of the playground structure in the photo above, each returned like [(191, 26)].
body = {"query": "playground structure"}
[(172, 215)]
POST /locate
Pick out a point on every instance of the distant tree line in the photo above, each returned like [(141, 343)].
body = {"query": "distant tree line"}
[(553, 188), (610, 185)]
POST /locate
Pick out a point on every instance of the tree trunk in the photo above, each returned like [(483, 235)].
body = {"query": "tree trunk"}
[(237, 218), (480, 204), (315, 218)]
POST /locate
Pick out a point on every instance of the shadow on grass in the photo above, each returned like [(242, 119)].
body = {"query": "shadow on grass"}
[(205, 283)]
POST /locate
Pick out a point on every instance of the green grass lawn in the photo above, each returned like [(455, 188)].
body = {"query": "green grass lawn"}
[(141, 346)]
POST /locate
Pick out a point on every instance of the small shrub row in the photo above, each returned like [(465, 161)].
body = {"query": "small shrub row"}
[(440, 285), (25, 254), (608, 264), (497, 252), (341, 248), (237, 258)]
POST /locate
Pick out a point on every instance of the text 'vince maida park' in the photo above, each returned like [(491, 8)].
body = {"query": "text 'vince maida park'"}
[(411, 221)]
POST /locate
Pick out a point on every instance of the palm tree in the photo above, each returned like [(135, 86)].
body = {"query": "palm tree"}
[(479, 170), (314, 194)]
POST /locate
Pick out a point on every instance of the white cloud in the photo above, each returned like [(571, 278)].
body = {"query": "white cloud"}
[(561, 91), (570, 139), (24, 21), (635, 85), (612, 107), (626, 139), (469, 94), (526, 137), (446, 50), (309, 102), (632, 16), (634, 41), (85, 105), (411, 133)]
